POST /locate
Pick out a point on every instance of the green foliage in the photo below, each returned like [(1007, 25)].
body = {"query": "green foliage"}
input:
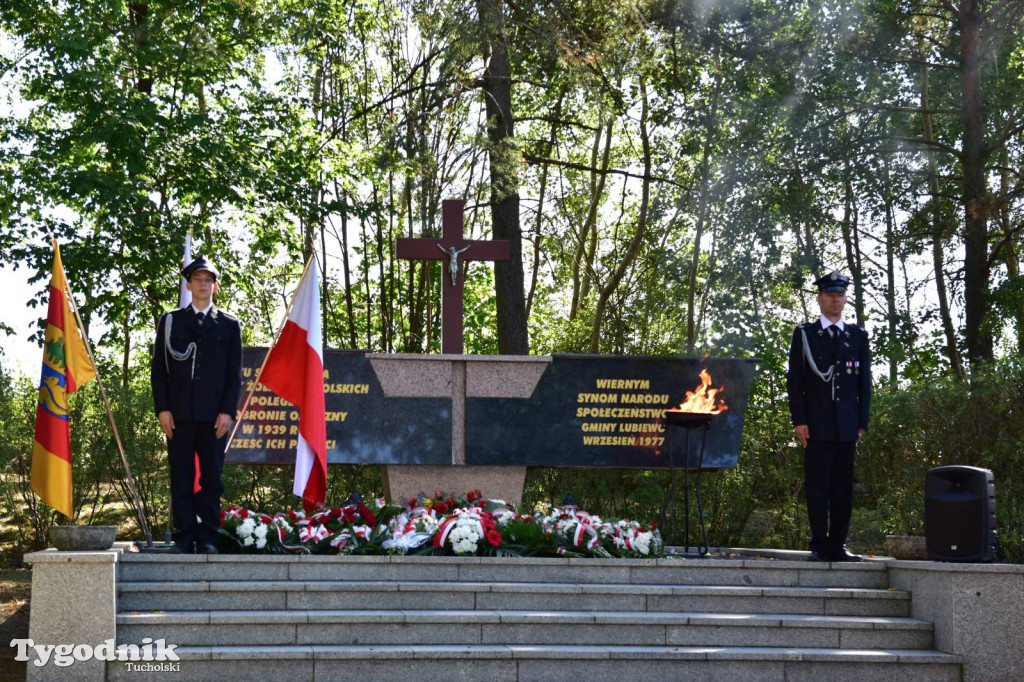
[(942, 422)]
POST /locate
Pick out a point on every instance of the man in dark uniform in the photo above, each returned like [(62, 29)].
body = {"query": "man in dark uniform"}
[(829, 382), (197, 376)]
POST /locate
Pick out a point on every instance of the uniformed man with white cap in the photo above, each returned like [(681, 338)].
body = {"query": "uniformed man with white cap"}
[(829, 383), (196, 377)]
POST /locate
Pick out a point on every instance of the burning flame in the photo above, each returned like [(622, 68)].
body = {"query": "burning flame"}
[(702, 399)]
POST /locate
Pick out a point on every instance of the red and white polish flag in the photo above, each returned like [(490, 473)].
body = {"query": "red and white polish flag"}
[(295, 372)]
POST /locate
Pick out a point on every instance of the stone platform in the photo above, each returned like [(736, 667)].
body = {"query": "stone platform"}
[(327, 617)]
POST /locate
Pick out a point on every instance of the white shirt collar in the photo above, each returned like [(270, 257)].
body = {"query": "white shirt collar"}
[(826, 323), (204, 311)]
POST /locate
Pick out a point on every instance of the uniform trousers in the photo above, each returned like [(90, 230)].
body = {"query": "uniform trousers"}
[(191, 439), (828, 481)]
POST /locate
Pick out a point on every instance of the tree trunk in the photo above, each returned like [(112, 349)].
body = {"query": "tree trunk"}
[(975, 189), (890, 274), (126, 358), (852, 248), (710, 283), (382, 274), (138, 13), (504, 162), (364, 264), (582, 262), (312, 220), (811, 253), (541, 195), (590, 252), (325, 294), (347, 269), (365, 267), (581, 236), (702, 211), (938, 251), (413, 339), (1009, 246), (638, 236), (342, 103), (858, 259), (387, 253)]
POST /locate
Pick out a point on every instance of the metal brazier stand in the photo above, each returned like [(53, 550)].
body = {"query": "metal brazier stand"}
[(682, 424)]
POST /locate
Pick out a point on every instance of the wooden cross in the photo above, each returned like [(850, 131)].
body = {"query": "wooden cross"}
[(454, 251)]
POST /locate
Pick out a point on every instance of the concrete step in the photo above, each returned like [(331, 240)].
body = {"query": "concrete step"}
[(386, 595), (553, 663), (641, 628), (749, 572)]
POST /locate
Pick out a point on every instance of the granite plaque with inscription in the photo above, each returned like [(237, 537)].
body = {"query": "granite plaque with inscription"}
[(363, 425), (608, 411)]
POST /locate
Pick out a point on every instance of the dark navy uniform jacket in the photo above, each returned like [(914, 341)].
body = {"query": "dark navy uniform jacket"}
[(200, 392), (831, 416)]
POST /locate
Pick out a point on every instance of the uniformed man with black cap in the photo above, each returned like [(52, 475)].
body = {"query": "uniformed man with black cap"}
[(829, 382), (197, 376)]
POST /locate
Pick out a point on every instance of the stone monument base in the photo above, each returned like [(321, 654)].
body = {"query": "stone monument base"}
[(503, 483), (458, 377)]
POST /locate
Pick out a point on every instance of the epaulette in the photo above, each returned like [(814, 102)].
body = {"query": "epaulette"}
[(227, 315)]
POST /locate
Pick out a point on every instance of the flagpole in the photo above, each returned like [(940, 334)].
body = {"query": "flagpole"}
[(182, 288), (256, 377), (110, 414)]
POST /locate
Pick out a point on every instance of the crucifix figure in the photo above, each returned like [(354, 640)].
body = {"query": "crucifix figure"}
[(452, 244), (453, 261)]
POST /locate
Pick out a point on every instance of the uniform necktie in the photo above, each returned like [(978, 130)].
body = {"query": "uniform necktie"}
[(199, 318), (833, 332)]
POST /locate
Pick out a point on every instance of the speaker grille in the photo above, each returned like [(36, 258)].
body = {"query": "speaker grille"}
[(957, 518)]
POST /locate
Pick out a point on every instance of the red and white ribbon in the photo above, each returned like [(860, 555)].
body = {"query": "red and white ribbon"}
[(235, 513), (314, 534), (469, 510), (580, 531), (290, 548), (362, 531), (446, 530)]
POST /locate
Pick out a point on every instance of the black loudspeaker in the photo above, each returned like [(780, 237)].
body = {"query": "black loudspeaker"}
[(960, 514)]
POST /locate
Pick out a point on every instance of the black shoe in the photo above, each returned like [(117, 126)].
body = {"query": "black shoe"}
[(208, 549), (818, 556), (845, 557), (180, 549)]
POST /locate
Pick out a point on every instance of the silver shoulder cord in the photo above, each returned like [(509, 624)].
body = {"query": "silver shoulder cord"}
[(829, 376), (190, 350)]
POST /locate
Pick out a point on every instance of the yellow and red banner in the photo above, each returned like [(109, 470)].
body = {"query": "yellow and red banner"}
[(66, 367)]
